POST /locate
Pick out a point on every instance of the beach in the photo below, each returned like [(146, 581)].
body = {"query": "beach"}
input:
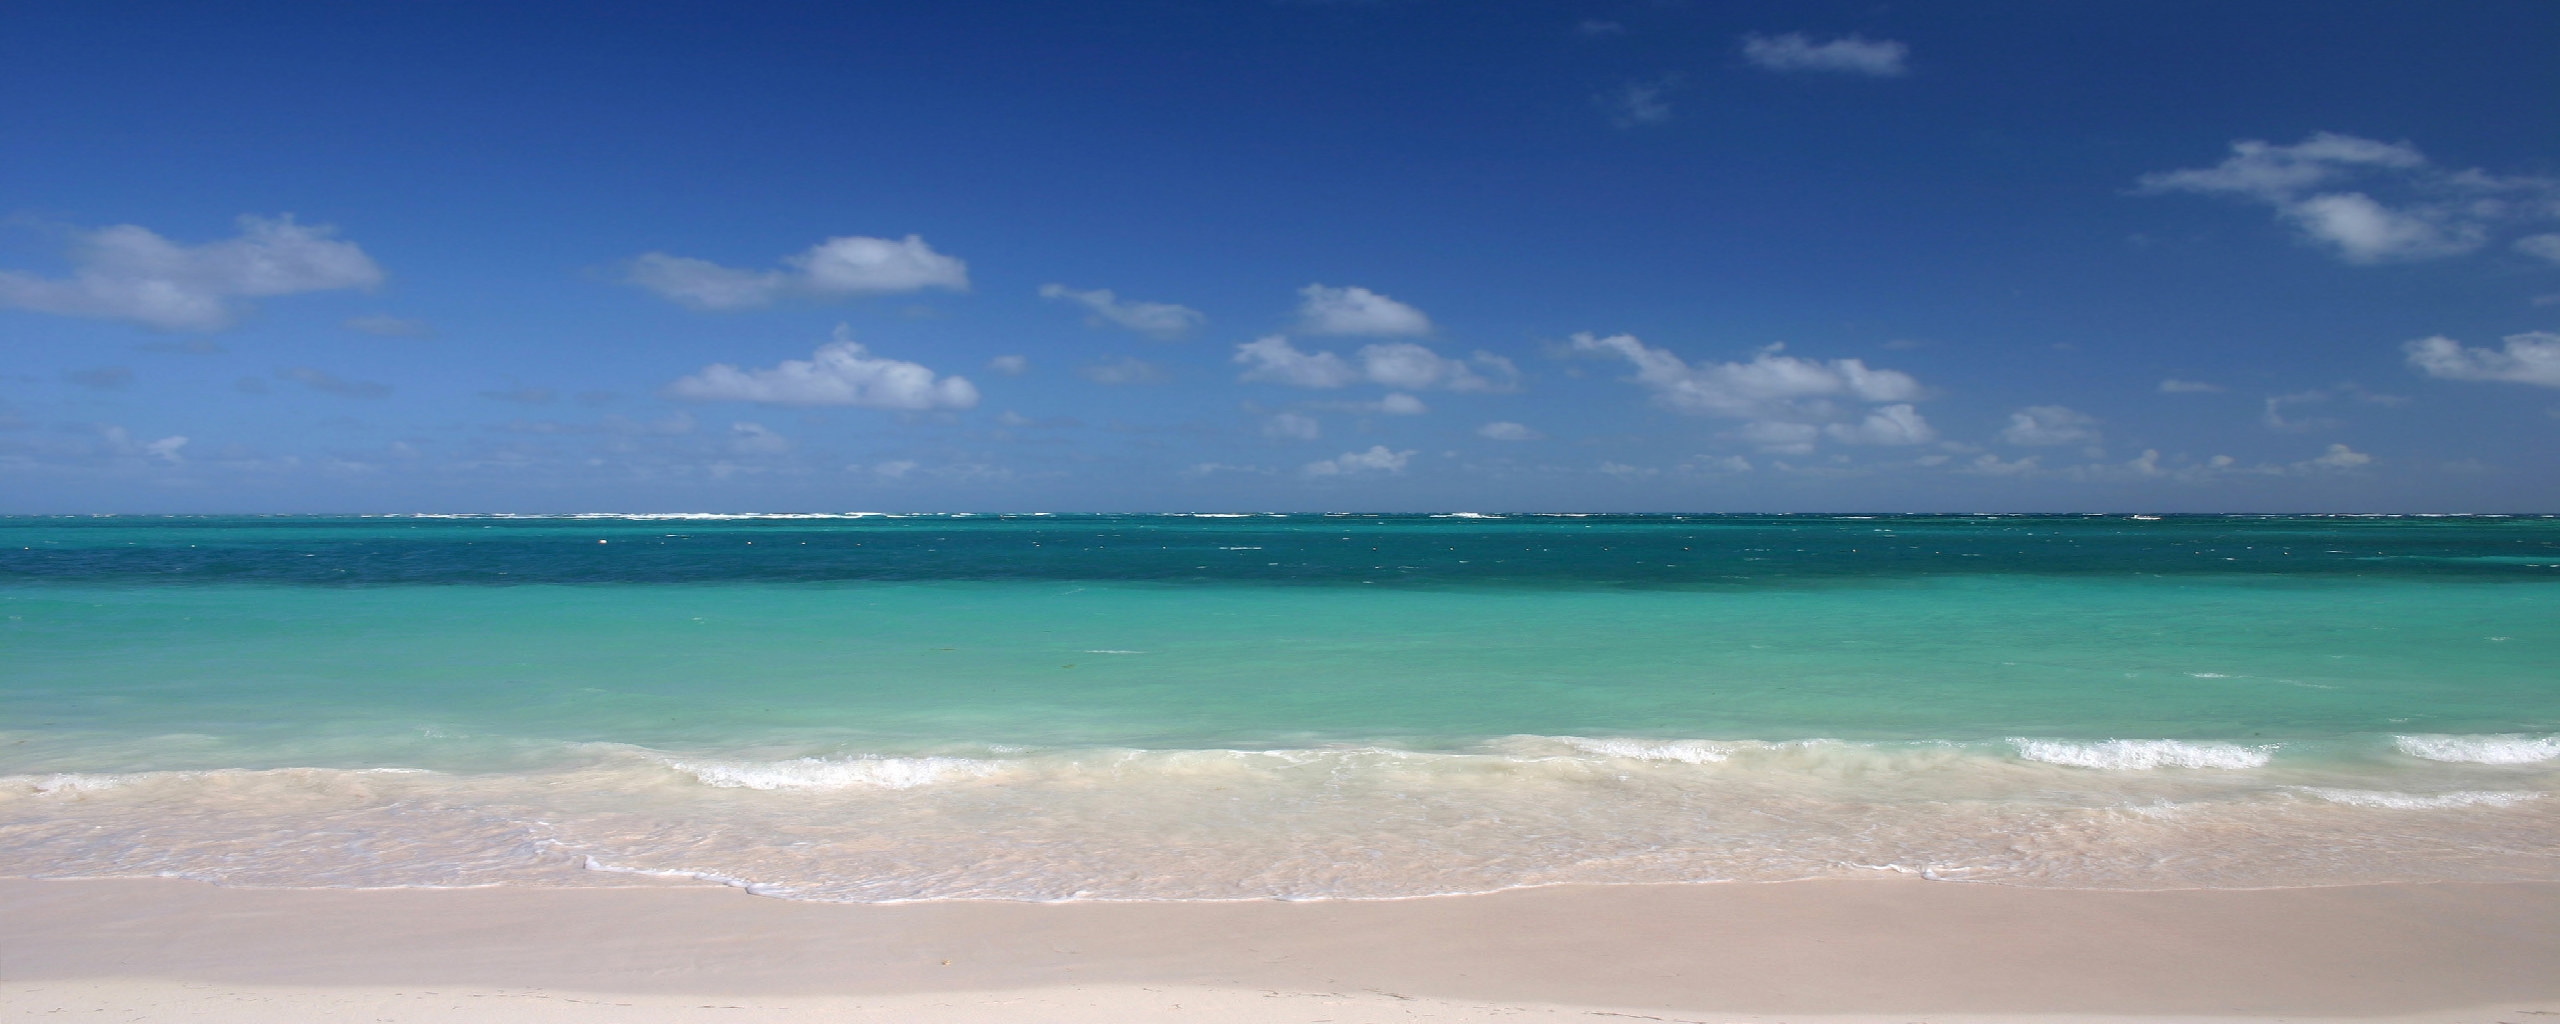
[(1898, 950), (1322, 768)]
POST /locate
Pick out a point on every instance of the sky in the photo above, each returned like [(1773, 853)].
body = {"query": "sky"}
[(1402, 255)]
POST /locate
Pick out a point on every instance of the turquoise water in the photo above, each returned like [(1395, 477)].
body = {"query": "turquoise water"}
[(1301, 706)]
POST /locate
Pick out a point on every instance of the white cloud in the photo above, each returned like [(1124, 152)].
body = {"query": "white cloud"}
[(388, 326), (165, 449), (1893, 424), (841, 372), (2174, 386), (1504, 430), (1272, 359), (1376, 460), (1010, 366), (2545, 246), (1637, 103), (1397, 403), (895, 469), (1792, 51), (1720, 464), (2529, 358), (1987, 464), (1403, 364), (2365, 231), (126, 272), (1161, 319), (2049, 425), (1356, 310), (1124, 370), (1397, 364), (1788, 400), (753, 439), (837, 267), (1290, 425), (103, 378), (2445, 213), (2338, 457)]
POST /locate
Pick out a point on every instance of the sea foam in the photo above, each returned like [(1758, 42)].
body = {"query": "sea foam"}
[(836, 773), (2500, 749), (1684, 751), (2143, 755), (2421, 801)]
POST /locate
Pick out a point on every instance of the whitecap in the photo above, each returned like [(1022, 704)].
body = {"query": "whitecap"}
[(2508, 748), (2143, 755), (836, 773), (1684, 751)]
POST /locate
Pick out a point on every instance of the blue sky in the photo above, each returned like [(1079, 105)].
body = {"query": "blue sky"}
[(1397, 255)]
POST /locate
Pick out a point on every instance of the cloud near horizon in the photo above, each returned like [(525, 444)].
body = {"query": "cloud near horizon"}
[(840, 372)]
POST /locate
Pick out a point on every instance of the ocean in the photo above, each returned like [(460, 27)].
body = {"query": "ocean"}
[(1195, 707)]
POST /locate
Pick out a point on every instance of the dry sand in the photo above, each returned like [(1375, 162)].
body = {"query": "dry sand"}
[(1803, 951)]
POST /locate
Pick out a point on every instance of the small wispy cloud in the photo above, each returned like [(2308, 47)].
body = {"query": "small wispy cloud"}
[(1855, 55)]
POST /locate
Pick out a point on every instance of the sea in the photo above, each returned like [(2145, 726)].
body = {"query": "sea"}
[(882, 708)]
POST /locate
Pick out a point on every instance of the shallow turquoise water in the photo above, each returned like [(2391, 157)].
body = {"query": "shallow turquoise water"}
[(630, 669)]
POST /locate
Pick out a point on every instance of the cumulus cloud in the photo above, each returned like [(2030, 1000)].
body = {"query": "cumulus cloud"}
[(1397, 403), (126, 272), (387, 326), (330, 383), (1378, 459), (1356, 310), (1505, 430), (2174, 386), (1271, 359), (1793, 51), (836, 268), (2338, 457), (2049, 425), (1893, 424), (1401, 364), (2438, 213), (1770, 381), (165, 449), (841, 372), (1010, 366), (2529, 358), (1160, 319), (2546, 246)]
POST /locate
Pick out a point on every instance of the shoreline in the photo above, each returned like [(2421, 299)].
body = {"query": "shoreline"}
[(1839, 949)]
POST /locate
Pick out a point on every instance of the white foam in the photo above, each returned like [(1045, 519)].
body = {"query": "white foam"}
[(2143, 755), (2508, 748), (838, 773), (2421, 801), (1684, 751), (62, 783)]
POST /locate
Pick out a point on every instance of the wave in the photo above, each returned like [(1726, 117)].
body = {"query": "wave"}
[(2144, 755), (837, 773), (2421, 801), (1684, 751), (2505, 748)]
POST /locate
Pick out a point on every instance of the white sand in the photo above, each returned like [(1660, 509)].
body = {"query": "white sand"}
[(1802, 952)]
